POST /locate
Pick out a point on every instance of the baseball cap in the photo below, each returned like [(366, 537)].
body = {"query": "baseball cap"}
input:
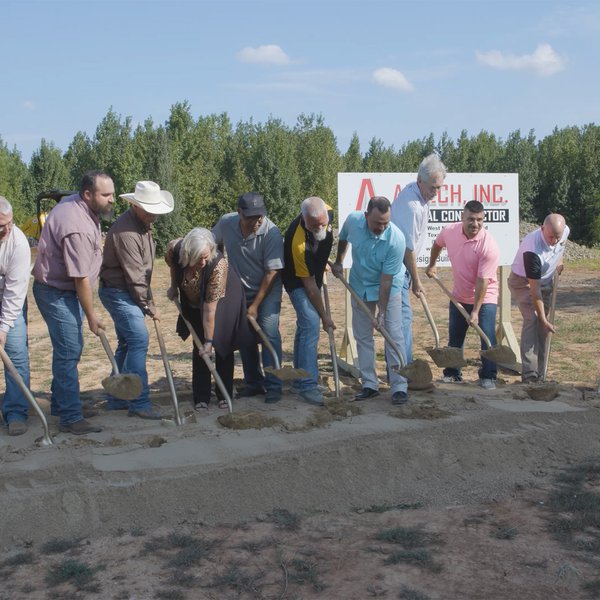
[(252, 205)]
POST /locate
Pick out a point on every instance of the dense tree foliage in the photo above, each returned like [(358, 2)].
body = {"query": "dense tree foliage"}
[(207, 163)]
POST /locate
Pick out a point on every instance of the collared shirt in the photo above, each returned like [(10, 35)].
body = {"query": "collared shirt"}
[(410, 213), (471, 259), (253, 256), (304, 256), (536, 259), (129, 259), (373, 256), (69, 245), (15, 264)]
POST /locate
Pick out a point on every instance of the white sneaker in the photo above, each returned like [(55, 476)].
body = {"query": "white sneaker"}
[(487, 384)]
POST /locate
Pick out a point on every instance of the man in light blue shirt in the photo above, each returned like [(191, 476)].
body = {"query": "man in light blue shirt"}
[(377, 275)]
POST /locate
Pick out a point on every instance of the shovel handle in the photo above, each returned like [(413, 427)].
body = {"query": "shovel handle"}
[(332, 350), (265, 340), (366, 310), (205, 357), (108, 351), (46, 440), (430, 319), (168, 373), (551, 311), (464, 313)]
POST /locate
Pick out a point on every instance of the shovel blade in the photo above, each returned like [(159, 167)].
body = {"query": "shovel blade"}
[(447, 358), (417, 371), (287, 373), (500, 354), (126, 386)]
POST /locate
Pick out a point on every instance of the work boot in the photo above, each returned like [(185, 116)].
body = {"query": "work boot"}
[(80, 428), (17, 428), (148, 413)]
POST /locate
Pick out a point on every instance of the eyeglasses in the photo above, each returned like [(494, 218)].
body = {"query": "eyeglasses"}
[(3, 228)]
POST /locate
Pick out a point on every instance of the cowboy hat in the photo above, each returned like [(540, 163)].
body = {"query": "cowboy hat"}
[(151, 198)]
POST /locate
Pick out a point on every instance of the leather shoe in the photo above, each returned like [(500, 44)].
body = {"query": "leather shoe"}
[(249, 391), (17, 428), (80, 428), (399, 398), (366, 393), (149, 413)]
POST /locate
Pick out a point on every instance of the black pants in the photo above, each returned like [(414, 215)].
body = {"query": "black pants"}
[(201, 376)]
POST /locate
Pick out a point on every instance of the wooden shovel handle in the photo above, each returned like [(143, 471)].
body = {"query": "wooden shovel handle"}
[(168, 373), (464, 313), (265, 340), (108, 350), (430, 319), (332, 350), (366, 310), (551, 311)]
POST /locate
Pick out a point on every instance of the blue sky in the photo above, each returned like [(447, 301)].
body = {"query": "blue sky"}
[(392, 69)]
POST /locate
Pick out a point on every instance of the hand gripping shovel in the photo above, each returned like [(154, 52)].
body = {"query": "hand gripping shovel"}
[(497, 353), (179, 420), (46, 439), (382, 330), (336, 373), (551, 311), (443, 357), (283, 373), (126, 386), (206, 358)]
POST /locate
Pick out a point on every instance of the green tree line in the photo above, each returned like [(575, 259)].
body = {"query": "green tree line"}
[(208, 162)]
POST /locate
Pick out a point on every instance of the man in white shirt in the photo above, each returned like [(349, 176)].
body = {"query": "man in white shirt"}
[(410, 213), (539, 256), (15, 263)]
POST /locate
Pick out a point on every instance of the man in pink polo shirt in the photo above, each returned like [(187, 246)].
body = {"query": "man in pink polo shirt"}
[(474, 256)]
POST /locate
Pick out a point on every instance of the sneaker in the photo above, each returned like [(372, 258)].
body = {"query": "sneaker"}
[(312, 396), (80, 428), (249, 391), (399, 397), (451, 379), (487, 384), (272, 396), (17, 428), (149, 413)]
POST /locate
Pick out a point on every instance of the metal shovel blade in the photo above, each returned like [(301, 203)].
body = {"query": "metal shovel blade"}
[(500, 354), (447, 358), (418, 372), (126, 386)]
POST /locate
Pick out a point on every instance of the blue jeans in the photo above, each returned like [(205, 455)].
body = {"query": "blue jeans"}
[(457, 330), (306, 340), (64, 317), (407, 317), (15, 406), (132, 347), (268, 319)]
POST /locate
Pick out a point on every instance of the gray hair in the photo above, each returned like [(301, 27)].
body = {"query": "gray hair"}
[(194, 244), (313, 206), (5, 206), (430, 166)]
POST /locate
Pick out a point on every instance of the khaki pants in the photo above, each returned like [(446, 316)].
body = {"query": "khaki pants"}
[(534, 337)]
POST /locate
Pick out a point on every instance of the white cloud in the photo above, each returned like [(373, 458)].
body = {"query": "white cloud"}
[(544, 60), (392, 78), (28, 105), (270, 54)]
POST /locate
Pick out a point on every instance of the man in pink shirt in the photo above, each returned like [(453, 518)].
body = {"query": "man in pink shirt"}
[(474, 256)]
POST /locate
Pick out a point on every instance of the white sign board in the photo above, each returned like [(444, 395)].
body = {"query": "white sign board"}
[(498, 192)]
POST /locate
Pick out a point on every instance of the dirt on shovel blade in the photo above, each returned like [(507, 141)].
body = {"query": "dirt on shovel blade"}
[(287, 373), (500, 354), (451, 358), (126, 386), (417, 371), (544, 391)]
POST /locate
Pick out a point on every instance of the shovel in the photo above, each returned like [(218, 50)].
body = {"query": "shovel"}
[(206, 358), (497, 353), (551, 312), (443, 357), (126, 386), (179, 420), (336, 373), (46, 439), (366, 310), (283, 373)]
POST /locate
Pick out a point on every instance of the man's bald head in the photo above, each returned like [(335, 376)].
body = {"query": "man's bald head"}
[(553, 228)]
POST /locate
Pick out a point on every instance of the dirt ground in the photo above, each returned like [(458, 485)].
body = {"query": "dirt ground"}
[(451, 497)]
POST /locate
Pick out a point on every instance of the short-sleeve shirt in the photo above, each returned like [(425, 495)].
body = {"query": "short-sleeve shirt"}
[(304, 256), (410, 213), (536, 259), (471, 259), (69, 246), (373, 256), (15, 260), (253, 256)]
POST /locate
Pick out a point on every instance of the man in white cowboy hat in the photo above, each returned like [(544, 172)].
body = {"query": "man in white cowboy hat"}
[(125, 290), (65, 272)]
